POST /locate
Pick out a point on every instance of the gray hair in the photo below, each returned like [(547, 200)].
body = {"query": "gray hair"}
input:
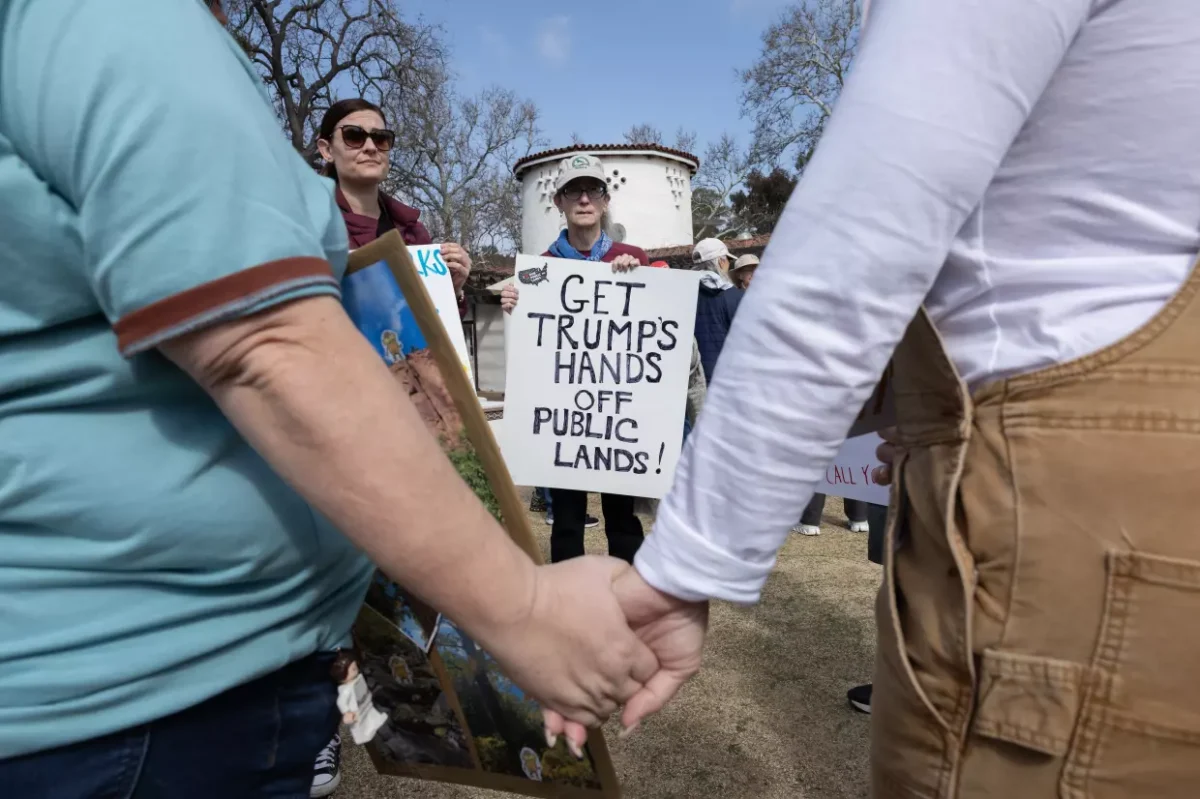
[(712, 265)]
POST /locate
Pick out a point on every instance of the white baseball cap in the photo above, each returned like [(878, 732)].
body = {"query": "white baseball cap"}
[(710, 250), (580, 165), (744, 261)]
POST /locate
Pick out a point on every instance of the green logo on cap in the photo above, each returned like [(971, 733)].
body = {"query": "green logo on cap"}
[(581, 162)]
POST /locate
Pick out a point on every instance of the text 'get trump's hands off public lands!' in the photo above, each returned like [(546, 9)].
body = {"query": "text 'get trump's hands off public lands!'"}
[(597, 376)]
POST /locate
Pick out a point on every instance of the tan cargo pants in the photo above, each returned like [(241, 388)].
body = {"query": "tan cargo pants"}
[(1039, 626)]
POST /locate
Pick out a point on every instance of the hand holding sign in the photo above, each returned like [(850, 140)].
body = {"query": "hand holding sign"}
[(625, 263), (887, 451), (459, 262), (509, 297)]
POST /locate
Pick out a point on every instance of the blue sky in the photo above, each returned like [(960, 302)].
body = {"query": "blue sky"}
[(597, 69)]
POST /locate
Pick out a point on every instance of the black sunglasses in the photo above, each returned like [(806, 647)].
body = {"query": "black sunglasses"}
[(355, 137)]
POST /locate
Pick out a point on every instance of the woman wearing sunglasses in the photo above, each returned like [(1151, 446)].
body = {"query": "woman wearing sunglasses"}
[(582, 197), (356, 144)]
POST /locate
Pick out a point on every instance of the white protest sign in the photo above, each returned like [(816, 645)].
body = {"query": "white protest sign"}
[(433, 270), (849, 476), (598, 367)]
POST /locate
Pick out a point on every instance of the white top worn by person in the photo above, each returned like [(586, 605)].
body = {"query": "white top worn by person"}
[(1029, 170)]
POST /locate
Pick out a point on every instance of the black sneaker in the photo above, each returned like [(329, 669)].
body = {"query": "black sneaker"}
[(590, 522), (327, 771), (860, 698)]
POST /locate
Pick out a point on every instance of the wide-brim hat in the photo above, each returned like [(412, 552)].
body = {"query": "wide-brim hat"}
[(744, 261)]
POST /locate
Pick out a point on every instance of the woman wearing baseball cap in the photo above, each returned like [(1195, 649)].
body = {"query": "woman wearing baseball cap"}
[(581, 195)]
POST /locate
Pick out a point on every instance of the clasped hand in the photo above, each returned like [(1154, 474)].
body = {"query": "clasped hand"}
[(671, 630), (597, 637)]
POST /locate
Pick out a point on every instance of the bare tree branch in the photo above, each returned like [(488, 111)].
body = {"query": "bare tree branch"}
[(454, 157), (790, 91), (643, 134), (305, 50), (685, 140), (723, 169)]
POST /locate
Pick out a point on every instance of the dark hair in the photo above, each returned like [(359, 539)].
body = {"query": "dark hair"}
[(340, 670), (336, 113)]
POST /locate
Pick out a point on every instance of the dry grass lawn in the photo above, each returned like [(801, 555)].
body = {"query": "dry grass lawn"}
[(767, 717)]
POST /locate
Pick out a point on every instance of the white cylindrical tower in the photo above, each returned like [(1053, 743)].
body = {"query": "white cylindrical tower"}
[(650, 187)]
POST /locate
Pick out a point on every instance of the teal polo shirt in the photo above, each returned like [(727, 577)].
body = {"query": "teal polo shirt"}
[(149, 558)]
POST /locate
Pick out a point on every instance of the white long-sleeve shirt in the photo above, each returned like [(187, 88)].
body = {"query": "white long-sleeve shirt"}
[(1029, 169)]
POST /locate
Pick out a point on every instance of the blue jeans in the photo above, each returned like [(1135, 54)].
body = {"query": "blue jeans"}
[(257, 740)]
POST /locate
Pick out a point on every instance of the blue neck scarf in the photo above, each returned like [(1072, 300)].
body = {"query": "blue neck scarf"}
[(563, 249)]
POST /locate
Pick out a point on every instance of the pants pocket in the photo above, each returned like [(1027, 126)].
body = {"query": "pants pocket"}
[(1029, 702), (1139, 727), (910, 737)]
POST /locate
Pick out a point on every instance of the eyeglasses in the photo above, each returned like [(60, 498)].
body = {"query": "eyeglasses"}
[(594, 193), (355, 137)]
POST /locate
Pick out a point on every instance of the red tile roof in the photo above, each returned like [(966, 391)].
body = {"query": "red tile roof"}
[(684, 252), (600, 148)]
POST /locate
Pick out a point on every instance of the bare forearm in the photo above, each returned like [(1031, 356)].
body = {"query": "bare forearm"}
[(312, 397)]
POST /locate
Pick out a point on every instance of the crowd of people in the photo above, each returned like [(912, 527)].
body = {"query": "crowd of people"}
[(204, 462)]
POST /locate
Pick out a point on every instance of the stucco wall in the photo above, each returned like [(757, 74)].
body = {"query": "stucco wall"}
[(651, 197)]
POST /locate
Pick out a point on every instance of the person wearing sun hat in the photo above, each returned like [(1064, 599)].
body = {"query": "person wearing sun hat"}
[(743, 271), (717, 301)]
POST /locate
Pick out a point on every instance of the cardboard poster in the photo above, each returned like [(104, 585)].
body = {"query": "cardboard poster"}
[(453, 716), (598, 367)]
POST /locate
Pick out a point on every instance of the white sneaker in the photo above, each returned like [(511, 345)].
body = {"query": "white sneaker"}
[(860, 527), (807, 529), (327, 771)]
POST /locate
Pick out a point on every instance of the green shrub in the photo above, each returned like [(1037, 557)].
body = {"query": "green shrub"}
[(470, 469)]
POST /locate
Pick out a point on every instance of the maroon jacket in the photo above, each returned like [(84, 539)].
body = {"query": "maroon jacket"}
[(396, 215), (363, 230)]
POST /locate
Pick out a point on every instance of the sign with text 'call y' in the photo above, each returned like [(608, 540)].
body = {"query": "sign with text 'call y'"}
[(597, 377), (849, 475)]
